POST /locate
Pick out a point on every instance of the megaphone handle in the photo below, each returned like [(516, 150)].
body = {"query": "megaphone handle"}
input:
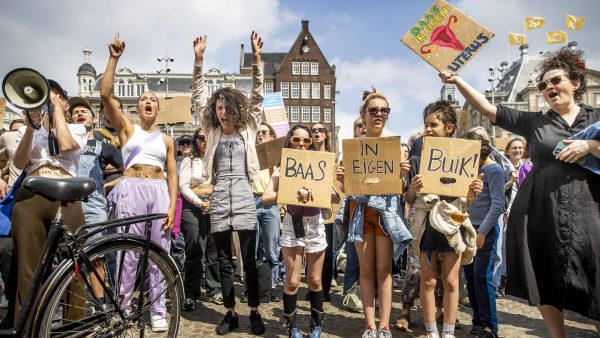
[(53, 148)]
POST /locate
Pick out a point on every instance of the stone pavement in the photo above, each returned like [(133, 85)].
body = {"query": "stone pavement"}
[(516, 318)]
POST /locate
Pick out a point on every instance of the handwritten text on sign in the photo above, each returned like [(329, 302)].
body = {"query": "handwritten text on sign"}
[(372, 166), (306, 169), (448, 166)]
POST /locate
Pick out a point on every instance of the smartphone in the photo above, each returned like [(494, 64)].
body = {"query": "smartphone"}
[(298, 226), (560, 146)]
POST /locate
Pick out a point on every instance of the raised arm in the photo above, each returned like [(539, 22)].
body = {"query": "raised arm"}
[(256, 98), (24, 144), (111, 106), (475, 98), (66, 142), (198, 86)]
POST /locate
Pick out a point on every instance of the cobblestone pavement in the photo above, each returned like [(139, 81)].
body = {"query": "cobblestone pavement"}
[(516, 318)]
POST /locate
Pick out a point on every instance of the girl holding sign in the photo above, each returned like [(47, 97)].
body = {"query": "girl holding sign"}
[(230, 122), (375, 246), (429, 244), (554, 224), (303, 227)]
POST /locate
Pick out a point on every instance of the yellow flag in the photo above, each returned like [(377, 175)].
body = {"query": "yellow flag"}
[(556, 37), (575, 22), (515, 39), (532, 22)]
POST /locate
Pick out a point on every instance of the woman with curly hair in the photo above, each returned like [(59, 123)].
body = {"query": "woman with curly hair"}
[(230, 122), (554, 225)]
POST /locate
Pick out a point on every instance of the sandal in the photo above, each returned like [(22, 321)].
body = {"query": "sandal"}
[(403, 322)]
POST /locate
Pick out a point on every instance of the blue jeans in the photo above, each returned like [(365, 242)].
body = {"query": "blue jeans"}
[(352, 271), (479, 283), (267, 246)]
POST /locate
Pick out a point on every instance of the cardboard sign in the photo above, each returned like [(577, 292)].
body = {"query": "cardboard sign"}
[(448, 166), (373, 166), (2, 108), (269, 153), (500, 143), (446, 38), (275, 113), (306, 169)]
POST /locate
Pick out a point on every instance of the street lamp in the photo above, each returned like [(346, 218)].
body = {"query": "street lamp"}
[(493, 80), (165, 71)]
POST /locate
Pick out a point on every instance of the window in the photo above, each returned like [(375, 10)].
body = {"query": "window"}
[(295, 68), (306, 90), (316, 90), (121, 88), (295, 114), (140, 89), (295, 90), (287, 113), (597, 99), (305, 114), (305, 68), (314, 68), (268, 87), (327, 92), (130, 88), (316, 114), (327, 115), (285, 90)]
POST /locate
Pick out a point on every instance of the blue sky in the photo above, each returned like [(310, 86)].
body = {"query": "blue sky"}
[(362, 38)]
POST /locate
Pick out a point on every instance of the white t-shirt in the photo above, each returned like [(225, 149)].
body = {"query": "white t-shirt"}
[(68, 160)]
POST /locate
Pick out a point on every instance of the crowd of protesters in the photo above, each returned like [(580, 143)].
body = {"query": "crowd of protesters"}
[(528, 227)]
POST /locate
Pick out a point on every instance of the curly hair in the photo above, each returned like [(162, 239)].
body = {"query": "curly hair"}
[(236, 104), (572, 62), (368, 96), (195, 148), (444, 111)]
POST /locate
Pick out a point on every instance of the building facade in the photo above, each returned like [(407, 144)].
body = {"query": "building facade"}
[(514, 86)]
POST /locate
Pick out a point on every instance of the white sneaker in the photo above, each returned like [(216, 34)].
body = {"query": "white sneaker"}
[(433, 335), (448, 335), (334, 283), (159, 324)]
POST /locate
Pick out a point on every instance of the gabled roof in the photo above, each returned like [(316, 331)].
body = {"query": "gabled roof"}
[(271, 61)]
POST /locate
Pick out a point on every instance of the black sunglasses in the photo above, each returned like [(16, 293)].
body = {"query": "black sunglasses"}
[(374, 110), (318, 130), (296, 139), (554, 81)]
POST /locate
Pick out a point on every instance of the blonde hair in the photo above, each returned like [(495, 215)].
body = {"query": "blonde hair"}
[(370, 95)]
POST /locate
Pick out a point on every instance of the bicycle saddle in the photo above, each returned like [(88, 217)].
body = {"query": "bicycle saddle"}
[(60, 189)]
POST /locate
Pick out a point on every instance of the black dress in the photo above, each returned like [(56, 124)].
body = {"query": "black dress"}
[(553, 234)]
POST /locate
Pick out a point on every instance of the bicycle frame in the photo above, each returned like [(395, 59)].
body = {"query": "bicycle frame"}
[(75, 244)]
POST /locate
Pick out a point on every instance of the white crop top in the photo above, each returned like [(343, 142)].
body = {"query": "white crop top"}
[(153, 153)]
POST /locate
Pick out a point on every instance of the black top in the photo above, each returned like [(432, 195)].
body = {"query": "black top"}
[(108, 154), (554, 224)]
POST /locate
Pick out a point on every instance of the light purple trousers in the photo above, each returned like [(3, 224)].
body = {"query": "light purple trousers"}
[(134, 197)]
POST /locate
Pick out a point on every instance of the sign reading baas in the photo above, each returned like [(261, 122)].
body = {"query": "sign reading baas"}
[(446, 38)]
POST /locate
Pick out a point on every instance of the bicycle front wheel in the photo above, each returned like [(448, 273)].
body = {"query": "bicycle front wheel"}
[(125, 297)]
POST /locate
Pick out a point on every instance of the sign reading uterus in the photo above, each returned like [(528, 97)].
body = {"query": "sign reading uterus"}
[(446, 38)]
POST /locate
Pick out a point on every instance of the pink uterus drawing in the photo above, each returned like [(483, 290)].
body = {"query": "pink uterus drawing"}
[(444, 36)]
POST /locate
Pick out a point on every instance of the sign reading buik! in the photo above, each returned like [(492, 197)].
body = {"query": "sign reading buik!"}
[(448, 166), (372, 166), (269, 153), (311, 170), (446, 38)]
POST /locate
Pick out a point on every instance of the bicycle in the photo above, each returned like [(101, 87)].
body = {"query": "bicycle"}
[(66, 304)]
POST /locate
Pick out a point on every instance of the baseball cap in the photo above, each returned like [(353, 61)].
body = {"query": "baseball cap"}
[(55, 85), (185, 138), (80, 101)]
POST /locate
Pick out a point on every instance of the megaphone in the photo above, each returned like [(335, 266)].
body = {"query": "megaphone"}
[(28, 89)]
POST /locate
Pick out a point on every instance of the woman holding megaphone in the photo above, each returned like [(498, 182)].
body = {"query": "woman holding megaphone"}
[(32, 214)]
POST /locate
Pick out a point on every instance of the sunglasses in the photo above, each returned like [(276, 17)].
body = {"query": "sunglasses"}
[(359, 125), (554, 81), (296, 139), (201, 138), (263, 132), (185, 143), (374, 110), (318, 130)]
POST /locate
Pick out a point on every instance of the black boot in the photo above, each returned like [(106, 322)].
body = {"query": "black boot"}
[(316, 323), (290, 323)]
